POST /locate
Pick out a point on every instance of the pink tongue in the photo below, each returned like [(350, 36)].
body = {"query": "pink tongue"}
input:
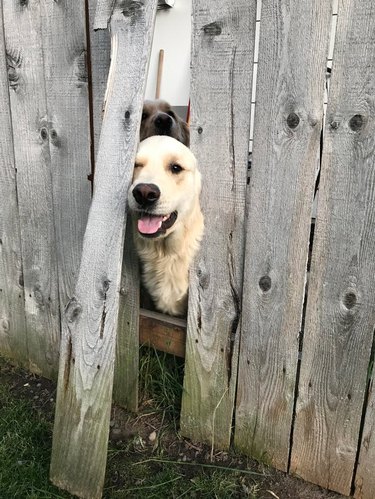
[(149, 225)]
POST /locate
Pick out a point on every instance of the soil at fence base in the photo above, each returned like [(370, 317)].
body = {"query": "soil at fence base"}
[(151, 438)]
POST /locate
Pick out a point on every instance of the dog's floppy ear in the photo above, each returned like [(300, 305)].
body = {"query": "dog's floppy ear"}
[(185, 133)]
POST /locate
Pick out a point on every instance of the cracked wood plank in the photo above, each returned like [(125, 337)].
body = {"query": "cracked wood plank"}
[(87, 359), (66, 76), (340, 313), (13, 339), (222, 55), (24, 47), (287, 128)]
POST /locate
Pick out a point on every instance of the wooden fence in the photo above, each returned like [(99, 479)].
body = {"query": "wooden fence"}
[(278, 368)]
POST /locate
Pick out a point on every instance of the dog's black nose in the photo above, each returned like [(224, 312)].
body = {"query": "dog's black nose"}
[(163, 122), (146, 194)]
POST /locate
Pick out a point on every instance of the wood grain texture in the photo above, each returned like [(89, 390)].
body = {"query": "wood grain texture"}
[(288, 123), (340, 314), (24, 47), (222, 55), (100, 49), (66, 77), (90, 321), (13, 339), (365, 478), (167, 334)]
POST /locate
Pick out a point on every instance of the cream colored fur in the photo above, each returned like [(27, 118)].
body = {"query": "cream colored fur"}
[(166, 259)]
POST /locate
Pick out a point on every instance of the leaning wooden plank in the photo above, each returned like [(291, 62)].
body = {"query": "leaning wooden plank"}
[(365, 478), (23, 39), (65, 54), (222, 55), (340, 314), (288, 123), (89, 323), (13, 341)]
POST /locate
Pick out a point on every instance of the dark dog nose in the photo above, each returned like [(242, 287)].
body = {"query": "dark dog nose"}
[(146, 194), (163, 122)]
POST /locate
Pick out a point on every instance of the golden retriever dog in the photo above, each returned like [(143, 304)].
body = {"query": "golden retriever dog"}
[(168, 222), (158, 118)]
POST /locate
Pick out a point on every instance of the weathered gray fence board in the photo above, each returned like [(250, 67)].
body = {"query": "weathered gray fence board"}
[(288, 123), (23, 38), (222, 55), (340, 314), (12, 306), (365, 477), (64, 49), (89, 324), (125, 384)]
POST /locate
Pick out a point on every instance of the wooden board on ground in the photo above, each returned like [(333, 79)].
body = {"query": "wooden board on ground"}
[(24, 47), (222, 54), (340, 312), (90, 321), (13, 339), (287, 128)]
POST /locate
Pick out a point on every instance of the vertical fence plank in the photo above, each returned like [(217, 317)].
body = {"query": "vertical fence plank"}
[(340, 312), (64, 49), (23, 39), (365, 478), (222, 55), (288, 123), (125, 383), (89, 323), (12, 306)]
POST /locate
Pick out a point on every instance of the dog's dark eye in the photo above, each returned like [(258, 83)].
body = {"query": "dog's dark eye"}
[(144, 116), (175, 168)]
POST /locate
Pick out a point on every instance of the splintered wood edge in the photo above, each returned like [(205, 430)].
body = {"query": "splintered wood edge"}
[(162, 332)]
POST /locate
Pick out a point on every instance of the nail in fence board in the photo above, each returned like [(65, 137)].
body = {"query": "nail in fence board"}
[(31, 131), (89, 324), (13, 340), (66, 77), (340, 312), (288, 123), (222, 55)]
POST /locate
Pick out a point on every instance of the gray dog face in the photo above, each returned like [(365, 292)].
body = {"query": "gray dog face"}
[(158, 118)]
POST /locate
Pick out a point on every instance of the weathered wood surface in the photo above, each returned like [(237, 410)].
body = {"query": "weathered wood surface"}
[(288, 123), (167, 334), (89, 324), (23, 39), (66, 77), (222, 55), (13, 342), (365, 477), (340, 314)]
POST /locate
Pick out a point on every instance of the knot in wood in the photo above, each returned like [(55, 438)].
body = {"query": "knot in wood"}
[(356, 122), (213, 29), (73, 310), (127, 115), (265, 283), (132, 10), (350, 300), (200, 130), (292, 120), (5, 325), (24, 3), (44, 133), (334, 125)]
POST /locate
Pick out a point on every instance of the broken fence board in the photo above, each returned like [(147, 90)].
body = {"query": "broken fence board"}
[(340, 313), (13, 339), (222, 55), (89, 324), (24, 47), (287, 128)]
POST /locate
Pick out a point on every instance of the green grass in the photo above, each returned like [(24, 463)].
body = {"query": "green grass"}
[(133, 470)]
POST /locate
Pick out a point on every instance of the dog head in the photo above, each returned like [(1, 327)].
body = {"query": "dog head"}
[(166, 186), (158, 118)]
